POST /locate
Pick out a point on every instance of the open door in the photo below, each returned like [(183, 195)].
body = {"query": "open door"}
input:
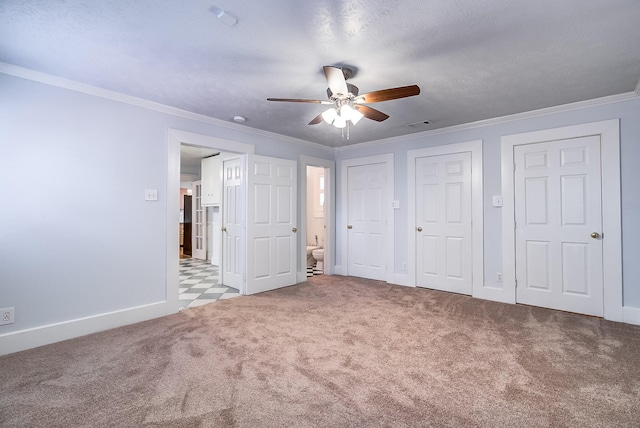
[(232, 227), (271, 223), (199, 225)]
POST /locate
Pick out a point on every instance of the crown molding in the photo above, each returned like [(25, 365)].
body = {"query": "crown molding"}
[(499, 120), (72, 85)]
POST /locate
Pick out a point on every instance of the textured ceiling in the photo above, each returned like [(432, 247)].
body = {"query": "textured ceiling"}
[(473, 59)]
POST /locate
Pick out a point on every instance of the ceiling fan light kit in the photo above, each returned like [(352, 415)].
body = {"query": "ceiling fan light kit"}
[(347, 104)]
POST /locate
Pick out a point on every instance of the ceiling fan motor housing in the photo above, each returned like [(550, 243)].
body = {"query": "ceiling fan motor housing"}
[(353, 90)]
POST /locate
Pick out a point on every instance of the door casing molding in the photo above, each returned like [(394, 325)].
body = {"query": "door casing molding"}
[(477, 213), (175, 138), (609, 132)]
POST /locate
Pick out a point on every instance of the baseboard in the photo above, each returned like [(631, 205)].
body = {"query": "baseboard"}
[(494, 294), (339, 271), (400, 279), (631, 315), (34, 337)]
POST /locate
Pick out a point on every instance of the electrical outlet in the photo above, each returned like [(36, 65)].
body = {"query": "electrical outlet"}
[(499, 276), (151, 195), (6, 316)]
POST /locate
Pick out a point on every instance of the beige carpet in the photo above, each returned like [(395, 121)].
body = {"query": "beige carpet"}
[(335, 352)]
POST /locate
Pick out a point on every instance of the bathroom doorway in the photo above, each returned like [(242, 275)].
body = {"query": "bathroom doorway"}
[(318, 224)]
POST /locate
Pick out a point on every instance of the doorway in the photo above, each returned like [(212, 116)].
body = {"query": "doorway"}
[(367, 189), (312, 212), (445, 217), (561, 220)]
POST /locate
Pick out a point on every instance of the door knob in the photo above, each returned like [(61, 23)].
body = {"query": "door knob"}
[(419, 229), (294, 229), (595, 235), (224, 229), (349, 227)]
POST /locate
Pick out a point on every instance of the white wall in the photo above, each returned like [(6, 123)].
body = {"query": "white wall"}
[(77, 239), (629, 114)]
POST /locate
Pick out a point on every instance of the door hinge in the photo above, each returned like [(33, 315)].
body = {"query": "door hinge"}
[(515, 224), (514, 167), (516, 282)]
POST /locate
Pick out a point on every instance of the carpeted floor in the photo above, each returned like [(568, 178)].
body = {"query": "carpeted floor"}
[(335, 352)]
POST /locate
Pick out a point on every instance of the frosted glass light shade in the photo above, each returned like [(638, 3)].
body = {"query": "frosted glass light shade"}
[(355, 116), (329, 115), (339, 122)]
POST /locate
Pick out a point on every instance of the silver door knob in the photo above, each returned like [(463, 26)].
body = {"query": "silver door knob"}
[(294, 229), (419, 229), (349, 227), (224, 229), (595, 235)]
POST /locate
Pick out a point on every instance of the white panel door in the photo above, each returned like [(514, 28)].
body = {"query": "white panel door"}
[(271, 223), (199, 231), (443, 229), (366, 221), (558, 216), (232, 224)]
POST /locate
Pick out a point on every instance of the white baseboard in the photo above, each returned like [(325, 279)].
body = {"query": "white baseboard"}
[(494, 294), (400, 279), (38, 336), (339, 271), (631, 315)]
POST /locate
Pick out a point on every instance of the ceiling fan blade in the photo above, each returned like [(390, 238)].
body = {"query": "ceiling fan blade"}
[(371, 113), (335, 79), (389, 94), (316, 120), (296, 100)]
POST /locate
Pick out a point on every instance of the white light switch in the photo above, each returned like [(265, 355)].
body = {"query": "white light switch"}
[(497, 201), (396, 205), (151, 195)]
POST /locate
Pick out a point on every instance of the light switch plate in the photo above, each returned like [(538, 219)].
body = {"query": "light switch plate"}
[(497, 201), (396, 205), (151, 195)]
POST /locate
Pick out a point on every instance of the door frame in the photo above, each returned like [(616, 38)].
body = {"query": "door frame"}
[(609, 132), (477, 212), (175, 138), (329, 213), (388, 160)]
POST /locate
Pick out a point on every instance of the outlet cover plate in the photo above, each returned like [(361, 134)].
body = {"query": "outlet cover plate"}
[(6, 316)]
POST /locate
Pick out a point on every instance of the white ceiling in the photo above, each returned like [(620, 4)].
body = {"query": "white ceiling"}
[(473, 59)]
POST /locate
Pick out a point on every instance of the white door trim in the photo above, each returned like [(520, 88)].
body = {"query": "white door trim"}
[(609, 132), (175, 138), (330, 204), (477, 213), (386, 159)]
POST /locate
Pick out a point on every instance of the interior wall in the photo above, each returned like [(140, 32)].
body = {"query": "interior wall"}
[(627, 111), (77, 249)]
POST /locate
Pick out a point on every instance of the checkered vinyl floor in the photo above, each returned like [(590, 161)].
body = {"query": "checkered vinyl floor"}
[(199, 284)]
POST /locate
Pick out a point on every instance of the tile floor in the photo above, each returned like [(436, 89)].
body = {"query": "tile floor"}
[(199, 284)]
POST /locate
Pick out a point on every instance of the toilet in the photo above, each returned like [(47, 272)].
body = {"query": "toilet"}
[(310, 259), (318, 254)]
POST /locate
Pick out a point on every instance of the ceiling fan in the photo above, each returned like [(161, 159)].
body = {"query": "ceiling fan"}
[(347, 105)]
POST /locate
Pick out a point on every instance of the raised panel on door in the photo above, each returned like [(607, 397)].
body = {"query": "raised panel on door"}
[(443, 216), (271, 227), (366, 217), (557, 188), (232, 239)]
